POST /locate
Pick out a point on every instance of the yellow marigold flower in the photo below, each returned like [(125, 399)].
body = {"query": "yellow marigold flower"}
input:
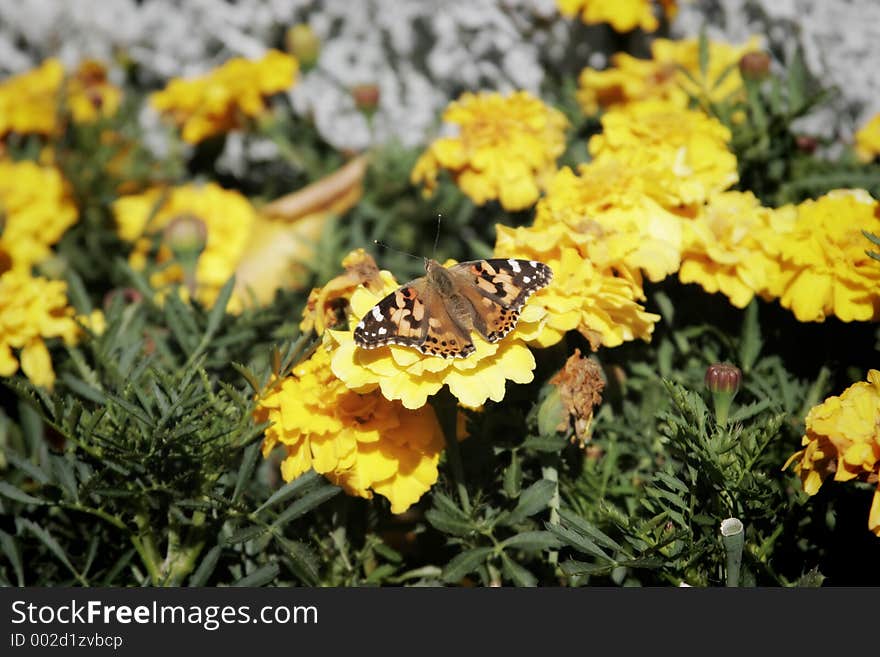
[(610, 205), (622, 15), (32, 309), (90, 95), (672, 74), (823, 267), (505, 149), (402, 373), (29, 101), (732, 246), (35, 211), (867, 140), (223, 99), (843, 437), (601, 303), (227, 217), (362, 442), (328, 306), (685, 151)]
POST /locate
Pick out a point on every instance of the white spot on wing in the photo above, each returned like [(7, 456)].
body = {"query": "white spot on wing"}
[(377, 314), (514, 265), (382, 330), (527, 279), (361, 325), (533, 263)]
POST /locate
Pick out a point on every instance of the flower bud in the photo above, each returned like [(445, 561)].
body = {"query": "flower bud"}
[(129, 295), (366, 97), (185, 235), (754, 65), (806, 144), (723, 377), (723, 381), (302, 42)]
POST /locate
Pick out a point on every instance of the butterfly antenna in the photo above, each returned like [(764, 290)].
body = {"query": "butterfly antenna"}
[(436, 236), (391, 248)]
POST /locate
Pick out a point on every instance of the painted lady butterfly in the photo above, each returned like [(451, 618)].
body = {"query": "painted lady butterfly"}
[(437, 312)]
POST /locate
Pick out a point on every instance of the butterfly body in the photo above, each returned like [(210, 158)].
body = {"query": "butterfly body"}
[(437, 312)]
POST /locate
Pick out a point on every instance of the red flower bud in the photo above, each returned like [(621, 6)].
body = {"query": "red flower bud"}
[(366, 97), (723, 377), (806, 144), (754, 65), (723, 381)]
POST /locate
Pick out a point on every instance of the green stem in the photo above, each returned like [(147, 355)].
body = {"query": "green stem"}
[(551, 473), (447, 414), (146, 547), (733, 537)]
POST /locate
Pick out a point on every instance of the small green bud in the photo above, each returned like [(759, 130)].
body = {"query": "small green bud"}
[(302, 42), (185, 235)]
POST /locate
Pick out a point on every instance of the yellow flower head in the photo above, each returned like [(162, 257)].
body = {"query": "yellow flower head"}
[(31, 310), (328, 306), (362, 442), (672, 74), (622, 15), (29, 101), (35, 211), (405, 374), (867, 140), (227, 217), (90, 95), (225, 98), (685, 151), (505, 149), (843, 437), (732, 246), (601, 303), (610, 207), (823, 267)]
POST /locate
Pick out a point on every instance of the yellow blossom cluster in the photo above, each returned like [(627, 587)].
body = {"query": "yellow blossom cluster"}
[(36, 210), (90, 95), (29, 102), (225, 98), (622, 15), (684, 152), (225, 215), (823, 265), (505, 149), (672, 75), (843, 438), (32, 309), (656, 172), (732, 245), (363, 442)]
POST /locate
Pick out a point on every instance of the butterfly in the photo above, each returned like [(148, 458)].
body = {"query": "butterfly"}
[(437, 312)]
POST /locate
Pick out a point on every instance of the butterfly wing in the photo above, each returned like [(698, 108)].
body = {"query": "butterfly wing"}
[(413, 316), (498, 289)]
